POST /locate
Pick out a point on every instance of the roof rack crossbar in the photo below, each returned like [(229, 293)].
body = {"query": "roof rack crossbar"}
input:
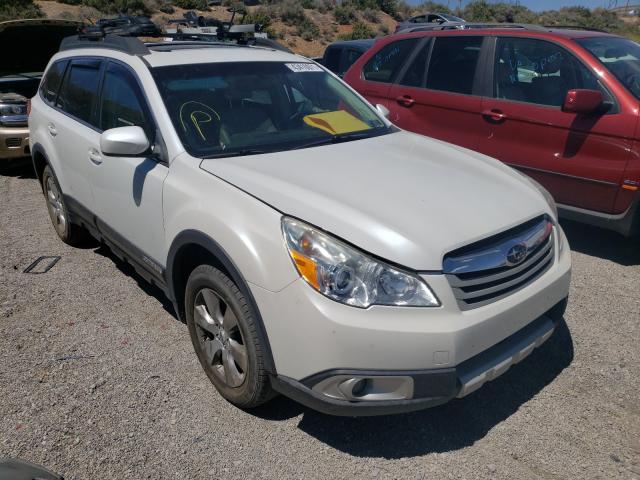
[(130, 45), (479, 25), (472, 25), (576, 27)]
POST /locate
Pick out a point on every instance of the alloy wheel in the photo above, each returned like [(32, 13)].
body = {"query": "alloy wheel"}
[(56, 206), (220, 338)]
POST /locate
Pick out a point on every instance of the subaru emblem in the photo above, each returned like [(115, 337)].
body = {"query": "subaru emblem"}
[(517, 254)]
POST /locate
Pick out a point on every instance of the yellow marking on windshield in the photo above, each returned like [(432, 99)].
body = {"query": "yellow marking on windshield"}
[(336, 123), (194, 119)]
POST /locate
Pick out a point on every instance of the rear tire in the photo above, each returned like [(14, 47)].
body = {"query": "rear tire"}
[(223, 330), (68, 232)]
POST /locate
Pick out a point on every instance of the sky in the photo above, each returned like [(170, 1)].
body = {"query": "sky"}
[(539, 5)]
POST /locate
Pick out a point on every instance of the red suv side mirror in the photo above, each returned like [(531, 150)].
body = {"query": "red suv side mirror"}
[(582, 102)]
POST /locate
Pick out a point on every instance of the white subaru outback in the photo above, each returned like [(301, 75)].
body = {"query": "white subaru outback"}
[(312, 248)]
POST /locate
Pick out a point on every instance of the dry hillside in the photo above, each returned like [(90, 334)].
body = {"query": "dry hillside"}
[(329, 29)]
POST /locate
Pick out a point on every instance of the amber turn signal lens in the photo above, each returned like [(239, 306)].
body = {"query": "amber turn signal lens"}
[(307, 268)]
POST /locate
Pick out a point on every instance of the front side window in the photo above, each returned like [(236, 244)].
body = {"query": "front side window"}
[(540, 72), (620, 56), (385, 64), (79, 89), (226, 109), (453, 64), (52, 80), (122, 102)]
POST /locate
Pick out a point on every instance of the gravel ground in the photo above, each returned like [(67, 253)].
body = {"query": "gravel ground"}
[(98, 380)]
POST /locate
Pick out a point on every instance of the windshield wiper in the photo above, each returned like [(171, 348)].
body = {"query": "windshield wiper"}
[(235, 153), (345, 137)]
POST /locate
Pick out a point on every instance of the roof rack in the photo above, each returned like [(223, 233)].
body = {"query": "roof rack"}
[(130, 45), (470, 25), (575, 27), (523, 26)]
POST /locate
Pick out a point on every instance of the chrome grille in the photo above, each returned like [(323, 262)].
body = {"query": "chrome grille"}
[(494, 268), (13, 142)]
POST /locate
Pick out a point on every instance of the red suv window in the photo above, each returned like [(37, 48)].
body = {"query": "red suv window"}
[(453, 64), (385, 65)]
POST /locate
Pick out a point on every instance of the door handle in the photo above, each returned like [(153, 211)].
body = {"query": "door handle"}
[(405, 101), (52, 130), (95, 156), (495, 115)]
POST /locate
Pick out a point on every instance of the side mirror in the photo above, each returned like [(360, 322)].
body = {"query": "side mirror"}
[(124, 141), (382, 110), (582, 102)]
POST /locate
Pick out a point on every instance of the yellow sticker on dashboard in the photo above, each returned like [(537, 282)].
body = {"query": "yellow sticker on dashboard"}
[(336, 123)]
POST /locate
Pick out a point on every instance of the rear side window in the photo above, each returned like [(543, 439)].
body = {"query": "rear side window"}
[(52, 80), (453, 64), (79, 90), (414, 75), (123, 104), (385, 64), (332, 62)]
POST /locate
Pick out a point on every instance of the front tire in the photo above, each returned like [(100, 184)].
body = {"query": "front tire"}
[(68, 232), (223, 330)]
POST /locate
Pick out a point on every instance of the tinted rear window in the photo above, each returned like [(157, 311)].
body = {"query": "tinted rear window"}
[(78, 93), (453, 64)]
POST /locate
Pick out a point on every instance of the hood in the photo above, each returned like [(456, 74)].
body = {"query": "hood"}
[(402, 197), (37, 39)]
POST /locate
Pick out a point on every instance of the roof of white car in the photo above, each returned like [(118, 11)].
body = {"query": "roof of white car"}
[(163, 55)]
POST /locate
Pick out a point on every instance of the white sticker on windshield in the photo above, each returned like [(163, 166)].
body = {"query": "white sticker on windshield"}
[(303, 67)]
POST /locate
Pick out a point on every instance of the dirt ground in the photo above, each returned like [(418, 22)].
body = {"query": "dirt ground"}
[(98, 380)]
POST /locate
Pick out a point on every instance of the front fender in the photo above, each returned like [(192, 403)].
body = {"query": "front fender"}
[(247, 230)]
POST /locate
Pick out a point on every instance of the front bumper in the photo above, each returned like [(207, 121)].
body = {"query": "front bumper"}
[(311, 335), (430, 387), (14, 142)]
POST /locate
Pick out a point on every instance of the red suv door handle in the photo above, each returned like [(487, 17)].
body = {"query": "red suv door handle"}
[(495, 115), (405, 101)]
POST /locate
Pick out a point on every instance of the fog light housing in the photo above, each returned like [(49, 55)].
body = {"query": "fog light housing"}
[(362, 388)]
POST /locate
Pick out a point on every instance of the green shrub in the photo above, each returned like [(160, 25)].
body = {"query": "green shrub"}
[(307, 30), (133, 7), (371, 15), (291, 12), (192, 4), (323, 6), (263, 15), (344, 14), (17, 9), (360, 30)]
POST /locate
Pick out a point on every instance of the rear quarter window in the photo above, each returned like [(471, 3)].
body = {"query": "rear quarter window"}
[(52, 80)]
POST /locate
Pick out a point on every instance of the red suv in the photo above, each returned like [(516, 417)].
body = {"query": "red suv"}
[(560, 105)]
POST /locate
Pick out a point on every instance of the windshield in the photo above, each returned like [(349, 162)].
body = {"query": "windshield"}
[(451, 18), (620, 56), (222, 109)]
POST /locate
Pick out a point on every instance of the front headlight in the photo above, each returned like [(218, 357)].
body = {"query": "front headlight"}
[(12, 109), (346, 275)]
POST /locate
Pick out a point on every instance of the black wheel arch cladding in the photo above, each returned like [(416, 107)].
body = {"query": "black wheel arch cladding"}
[(189, 241)]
